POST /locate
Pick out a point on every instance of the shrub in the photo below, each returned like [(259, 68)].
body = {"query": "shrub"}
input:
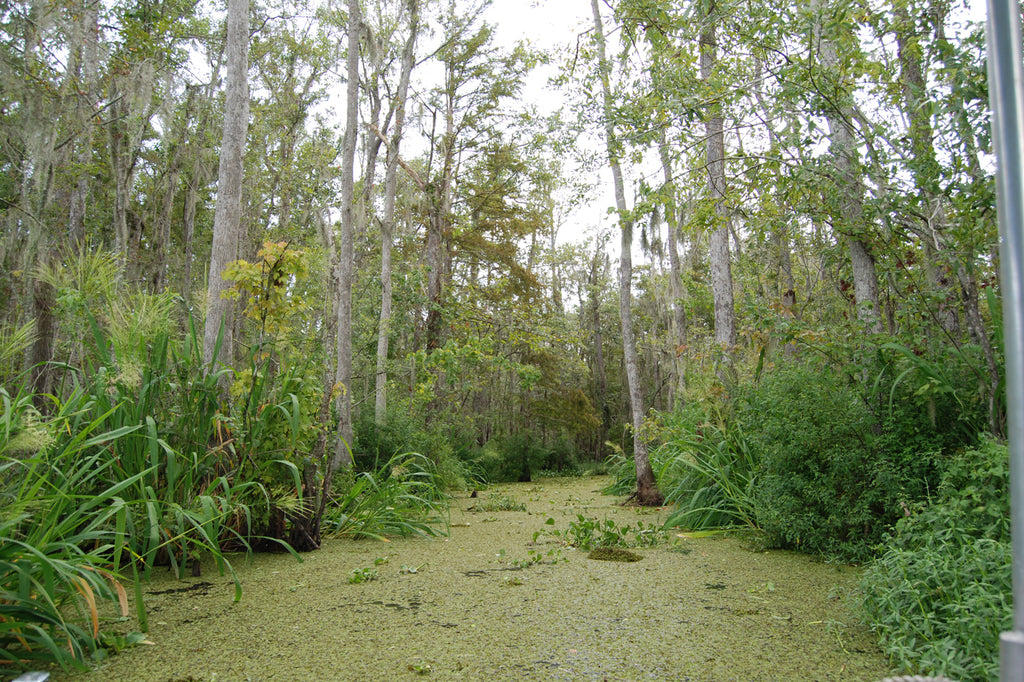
[(839, 464), (812, 432), (512, 458), (939, 595), (401, 433)]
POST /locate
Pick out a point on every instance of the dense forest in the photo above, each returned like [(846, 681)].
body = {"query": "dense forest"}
[(281, 270)]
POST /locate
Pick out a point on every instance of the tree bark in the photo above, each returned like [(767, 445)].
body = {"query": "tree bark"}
[(718, 255), (647, 492), (388, 222), (850, 188), (87, 76), (346, 265), (678, 325), (227, 220), (597, 268)]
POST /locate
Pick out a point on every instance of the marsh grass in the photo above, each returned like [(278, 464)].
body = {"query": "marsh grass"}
[(403, 497), (59, 547), (711, 477)]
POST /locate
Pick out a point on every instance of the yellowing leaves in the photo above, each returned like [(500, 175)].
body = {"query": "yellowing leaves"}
[(268, 285)]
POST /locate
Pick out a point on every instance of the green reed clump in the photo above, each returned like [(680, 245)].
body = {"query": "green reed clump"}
[(60, 547), (403, 497)]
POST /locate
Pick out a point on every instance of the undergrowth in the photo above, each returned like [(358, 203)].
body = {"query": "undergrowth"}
[(939, 595)]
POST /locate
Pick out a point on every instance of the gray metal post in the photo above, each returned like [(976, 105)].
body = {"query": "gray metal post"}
[(1006, 93)]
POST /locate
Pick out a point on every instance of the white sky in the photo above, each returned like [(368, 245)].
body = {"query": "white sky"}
[(552, 25)]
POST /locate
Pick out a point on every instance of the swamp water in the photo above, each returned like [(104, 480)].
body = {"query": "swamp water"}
[(474, 606)]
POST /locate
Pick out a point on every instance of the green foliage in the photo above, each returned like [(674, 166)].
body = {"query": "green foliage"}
[(820, 489), (362, 575), (189, 502), (622, 471), (588, 533), (939, 595), (404, 497), (522, 456), (57, 542), (13, 344), (400, 433), (839, 463), (710, 475), (268, 286)]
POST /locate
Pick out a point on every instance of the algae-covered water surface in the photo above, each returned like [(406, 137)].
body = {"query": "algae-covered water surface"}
[(491, 602)]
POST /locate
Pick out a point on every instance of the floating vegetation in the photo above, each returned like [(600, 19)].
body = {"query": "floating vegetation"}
[(614, 554), (499, 503)]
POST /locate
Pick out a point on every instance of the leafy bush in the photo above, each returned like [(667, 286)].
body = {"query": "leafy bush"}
[(402, 433), (839, 462), (939, 595)]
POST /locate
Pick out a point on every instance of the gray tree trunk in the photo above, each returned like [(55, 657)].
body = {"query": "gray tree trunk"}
[(345, 267), (227, 218), (718, 255), (647, 493), (597, 269), (850, 221), (380, 405), (678, 385), (87, 76)]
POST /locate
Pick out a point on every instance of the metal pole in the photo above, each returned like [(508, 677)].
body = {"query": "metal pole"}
[(1006, 92)]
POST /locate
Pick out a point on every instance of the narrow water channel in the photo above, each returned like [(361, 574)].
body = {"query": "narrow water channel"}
[(478, 605)]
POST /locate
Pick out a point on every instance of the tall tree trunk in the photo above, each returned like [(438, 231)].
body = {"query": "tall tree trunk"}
[(438, 228), (388, 223), (849, 183), (87, 76), (227, 219), (718, 255), (647, 493), (346, 246), (597, 269), (198, 174), (675, 276), (37, 170)]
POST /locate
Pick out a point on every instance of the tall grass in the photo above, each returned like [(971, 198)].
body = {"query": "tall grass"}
[(708, 473), (711, 477), (59, 547), (185, 501), (403, 497)]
